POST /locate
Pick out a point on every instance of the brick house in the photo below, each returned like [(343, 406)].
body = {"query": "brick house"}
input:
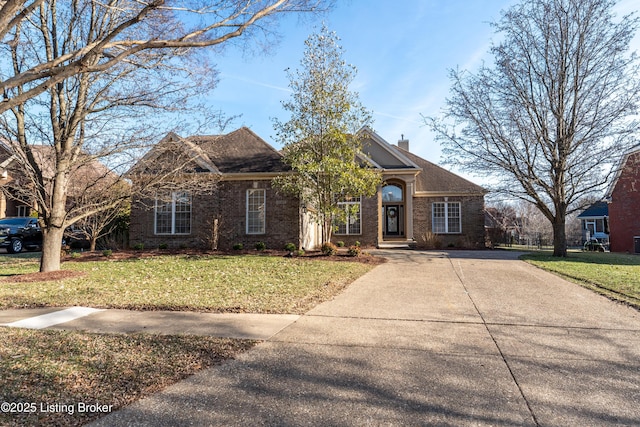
[(624, 205), (17, 190), (419, 203)]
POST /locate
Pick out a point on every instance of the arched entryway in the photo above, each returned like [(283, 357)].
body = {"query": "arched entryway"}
[(393, 211)]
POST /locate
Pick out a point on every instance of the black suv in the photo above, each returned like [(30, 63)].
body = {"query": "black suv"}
[(17, 234)]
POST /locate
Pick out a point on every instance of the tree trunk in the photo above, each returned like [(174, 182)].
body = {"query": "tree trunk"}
[(559, 237), (327, 224), (92, 243), (51, 246)]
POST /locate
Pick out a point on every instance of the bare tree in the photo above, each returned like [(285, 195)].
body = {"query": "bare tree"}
[(555, 112), (135, 26), (102, 221), (95, 80)]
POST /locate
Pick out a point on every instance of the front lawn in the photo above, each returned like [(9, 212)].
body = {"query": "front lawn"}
[(63, 378), (53, 377), (614, 275), (254, 284)]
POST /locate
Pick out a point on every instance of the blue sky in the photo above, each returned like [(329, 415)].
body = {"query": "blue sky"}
[(402, 50)]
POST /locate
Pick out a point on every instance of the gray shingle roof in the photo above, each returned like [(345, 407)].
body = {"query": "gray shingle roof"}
[(240, 151), (434, 178)]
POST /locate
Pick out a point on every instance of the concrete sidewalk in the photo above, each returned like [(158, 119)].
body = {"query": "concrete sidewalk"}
[(459, 338), (225, 325)]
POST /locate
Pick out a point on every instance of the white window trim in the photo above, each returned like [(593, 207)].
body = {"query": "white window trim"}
[(446, 217), (264, 211), (174, 197), (345, 204)]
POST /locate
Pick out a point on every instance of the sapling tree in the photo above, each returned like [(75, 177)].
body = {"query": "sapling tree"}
[(321, 140)]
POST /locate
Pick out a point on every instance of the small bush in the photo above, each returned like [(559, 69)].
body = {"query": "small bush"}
[(357, 244), (298, 252), (261, 246), (340, 244), (354, 251), (75, 255), (238, 247), (431, 240), (138, 246), (290, 247), (329, 249), (163, 246), (107, 253)]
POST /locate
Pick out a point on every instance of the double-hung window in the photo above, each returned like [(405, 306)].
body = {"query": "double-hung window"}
[(173, 214), (352, 218), (446, 218), (256, 218)]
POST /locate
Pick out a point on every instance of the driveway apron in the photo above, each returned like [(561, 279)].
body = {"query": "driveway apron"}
[(429, 338)]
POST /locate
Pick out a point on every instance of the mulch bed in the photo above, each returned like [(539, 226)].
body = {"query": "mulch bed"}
[(130, 254), (140, 254), (43, 277)]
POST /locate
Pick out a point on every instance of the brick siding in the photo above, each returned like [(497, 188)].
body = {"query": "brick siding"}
[(624, 217), (227, 204), (368, 225), (472, 235)]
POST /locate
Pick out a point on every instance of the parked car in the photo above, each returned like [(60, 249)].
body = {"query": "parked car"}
[(19, 233)]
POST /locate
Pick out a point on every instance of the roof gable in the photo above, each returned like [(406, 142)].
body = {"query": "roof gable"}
[(430, 178), (381, 154), (238, 152), (620, 169)]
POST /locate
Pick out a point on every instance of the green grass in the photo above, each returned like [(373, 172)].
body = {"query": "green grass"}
[(48, 368), (614, 275), (256, 284)]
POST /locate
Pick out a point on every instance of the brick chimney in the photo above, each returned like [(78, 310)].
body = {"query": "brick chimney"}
[(403, 143)]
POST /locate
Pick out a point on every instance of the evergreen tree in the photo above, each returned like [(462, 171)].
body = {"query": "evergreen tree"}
[(321, 142)]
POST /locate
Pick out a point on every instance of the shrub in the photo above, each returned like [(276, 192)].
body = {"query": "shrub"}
[(357, 244), (431, 240), (329, 249), (75, 255), (163, 246), (107, 253), (290, 247), (354, 251), (340, 244), (261, 246), (138, 246), (298, 252), (238, 247)]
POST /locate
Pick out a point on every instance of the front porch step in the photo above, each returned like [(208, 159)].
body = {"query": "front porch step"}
[(408, 244)]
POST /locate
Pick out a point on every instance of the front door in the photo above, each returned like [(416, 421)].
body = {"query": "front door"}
[(393, 220)]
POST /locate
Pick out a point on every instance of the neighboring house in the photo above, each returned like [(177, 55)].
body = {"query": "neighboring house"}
[(90, 178), (624, 205), (9, 206), (594, 222), (419, 203)]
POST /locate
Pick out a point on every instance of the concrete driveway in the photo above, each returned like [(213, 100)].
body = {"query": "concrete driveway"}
[(429, 338)]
